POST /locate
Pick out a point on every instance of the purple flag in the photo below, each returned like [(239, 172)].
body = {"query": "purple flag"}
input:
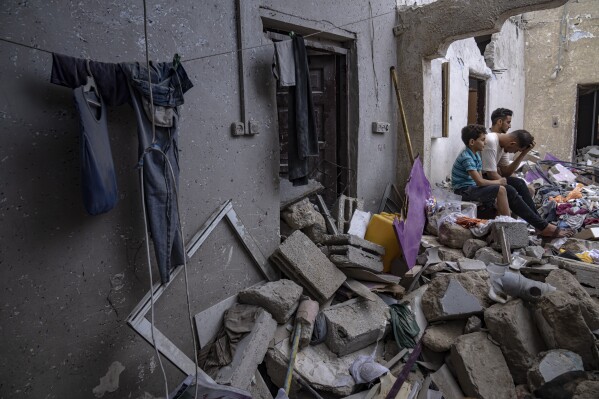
[(409, 232)]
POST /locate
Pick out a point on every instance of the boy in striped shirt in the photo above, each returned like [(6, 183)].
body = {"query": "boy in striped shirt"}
[(467, 180), (466, 174)]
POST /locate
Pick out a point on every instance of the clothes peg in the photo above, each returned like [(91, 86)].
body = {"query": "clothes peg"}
[(90, 87)]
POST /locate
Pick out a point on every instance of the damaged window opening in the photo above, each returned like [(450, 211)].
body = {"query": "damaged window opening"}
[(477, 94), (587, 116), (327, 61)]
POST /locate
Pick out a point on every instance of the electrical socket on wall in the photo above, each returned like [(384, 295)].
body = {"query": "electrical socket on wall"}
[(381, 127)]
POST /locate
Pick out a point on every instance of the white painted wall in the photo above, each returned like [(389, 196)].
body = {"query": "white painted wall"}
[(505, 88)]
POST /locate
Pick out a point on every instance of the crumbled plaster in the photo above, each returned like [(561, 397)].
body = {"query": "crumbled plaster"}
[(110, 382)]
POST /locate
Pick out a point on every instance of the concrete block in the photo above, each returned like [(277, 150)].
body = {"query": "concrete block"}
[(440, 337), (548, 365), (318, 366), (471, 246), (354, 241), (301, 214), (513, 327), (470, 265), (453, 235), (473, 324), (456, 296), (280, 298), (347, 256), (355, 324), (534, 251), (488, 255), (559, 319), (317, 230), (446, 383), (210, 320), (258, 387), (429, 241), (481, 368), (515, 232), (566, 282), (343, 211), (449, 254), (249, 353), (301, 260)]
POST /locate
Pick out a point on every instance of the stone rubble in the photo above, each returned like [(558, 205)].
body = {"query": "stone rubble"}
[(475, 343)]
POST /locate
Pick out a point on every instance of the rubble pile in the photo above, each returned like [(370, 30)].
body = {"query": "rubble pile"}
[(488, 310)]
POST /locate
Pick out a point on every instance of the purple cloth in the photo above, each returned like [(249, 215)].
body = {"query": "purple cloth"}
[(563, 209), (409, 232), (550, 157), (532, 175)]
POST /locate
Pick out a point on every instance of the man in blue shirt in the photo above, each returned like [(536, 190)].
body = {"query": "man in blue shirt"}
[(467, 180)]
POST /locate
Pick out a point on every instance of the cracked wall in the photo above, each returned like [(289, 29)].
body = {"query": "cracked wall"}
[(424, 33), (547, 96), (502, 67), (72, 279)]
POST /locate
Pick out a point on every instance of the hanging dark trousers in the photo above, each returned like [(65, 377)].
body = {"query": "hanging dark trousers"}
[(127, 82), (302, 135)]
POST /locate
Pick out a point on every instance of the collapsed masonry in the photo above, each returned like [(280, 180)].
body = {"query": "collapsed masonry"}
[(491, 315)]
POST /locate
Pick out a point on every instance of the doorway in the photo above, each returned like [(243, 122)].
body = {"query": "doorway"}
[(328, 80), (587, 116), (477, 94)]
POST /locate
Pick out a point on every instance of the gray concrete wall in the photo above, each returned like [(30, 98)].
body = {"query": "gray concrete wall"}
[(70, 279), (503, 71), (546, 96)]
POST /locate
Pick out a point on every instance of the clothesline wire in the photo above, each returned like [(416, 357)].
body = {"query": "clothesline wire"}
[(372, 17)]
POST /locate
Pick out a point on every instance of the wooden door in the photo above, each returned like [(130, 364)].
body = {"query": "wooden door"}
[(324, 95)]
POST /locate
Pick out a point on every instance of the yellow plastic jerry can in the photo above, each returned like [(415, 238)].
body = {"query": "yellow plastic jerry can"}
[(380, 231)]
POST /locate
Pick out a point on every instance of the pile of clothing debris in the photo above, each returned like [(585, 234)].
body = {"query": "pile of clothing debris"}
[(484, 311)]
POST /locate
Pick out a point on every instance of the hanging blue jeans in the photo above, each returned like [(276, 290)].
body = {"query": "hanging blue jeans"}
[(127, 82)]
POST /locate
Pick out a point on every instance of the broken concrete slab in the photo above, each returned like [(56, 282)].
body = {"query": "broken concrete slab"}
[(473, 324), (471, 265), (280, 298), (515, 232), (453, 235), (456, 296), (429, 241), (564, 281), (317, 230), (210, 320), (513, 327), (585, 273), (440, 337), (302, 261), (249, 353), (258, 387), (446, 383), (291, 194), (548, 365), (450, 254), (301, 215), (488, 255), (354, 241), (347, 256), (366, 275), (559, 319), (355, 324), (471, 246), (318, 366), (534, 251), (481, 368), (343, 210)]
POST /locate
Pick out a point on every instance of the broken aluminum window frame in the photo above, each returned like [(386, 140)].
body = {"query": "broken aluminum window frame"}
[(137, 318)]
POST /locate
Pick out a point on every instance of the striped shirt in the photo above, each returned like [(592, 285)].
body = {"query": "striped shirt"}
[(467, 160)]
